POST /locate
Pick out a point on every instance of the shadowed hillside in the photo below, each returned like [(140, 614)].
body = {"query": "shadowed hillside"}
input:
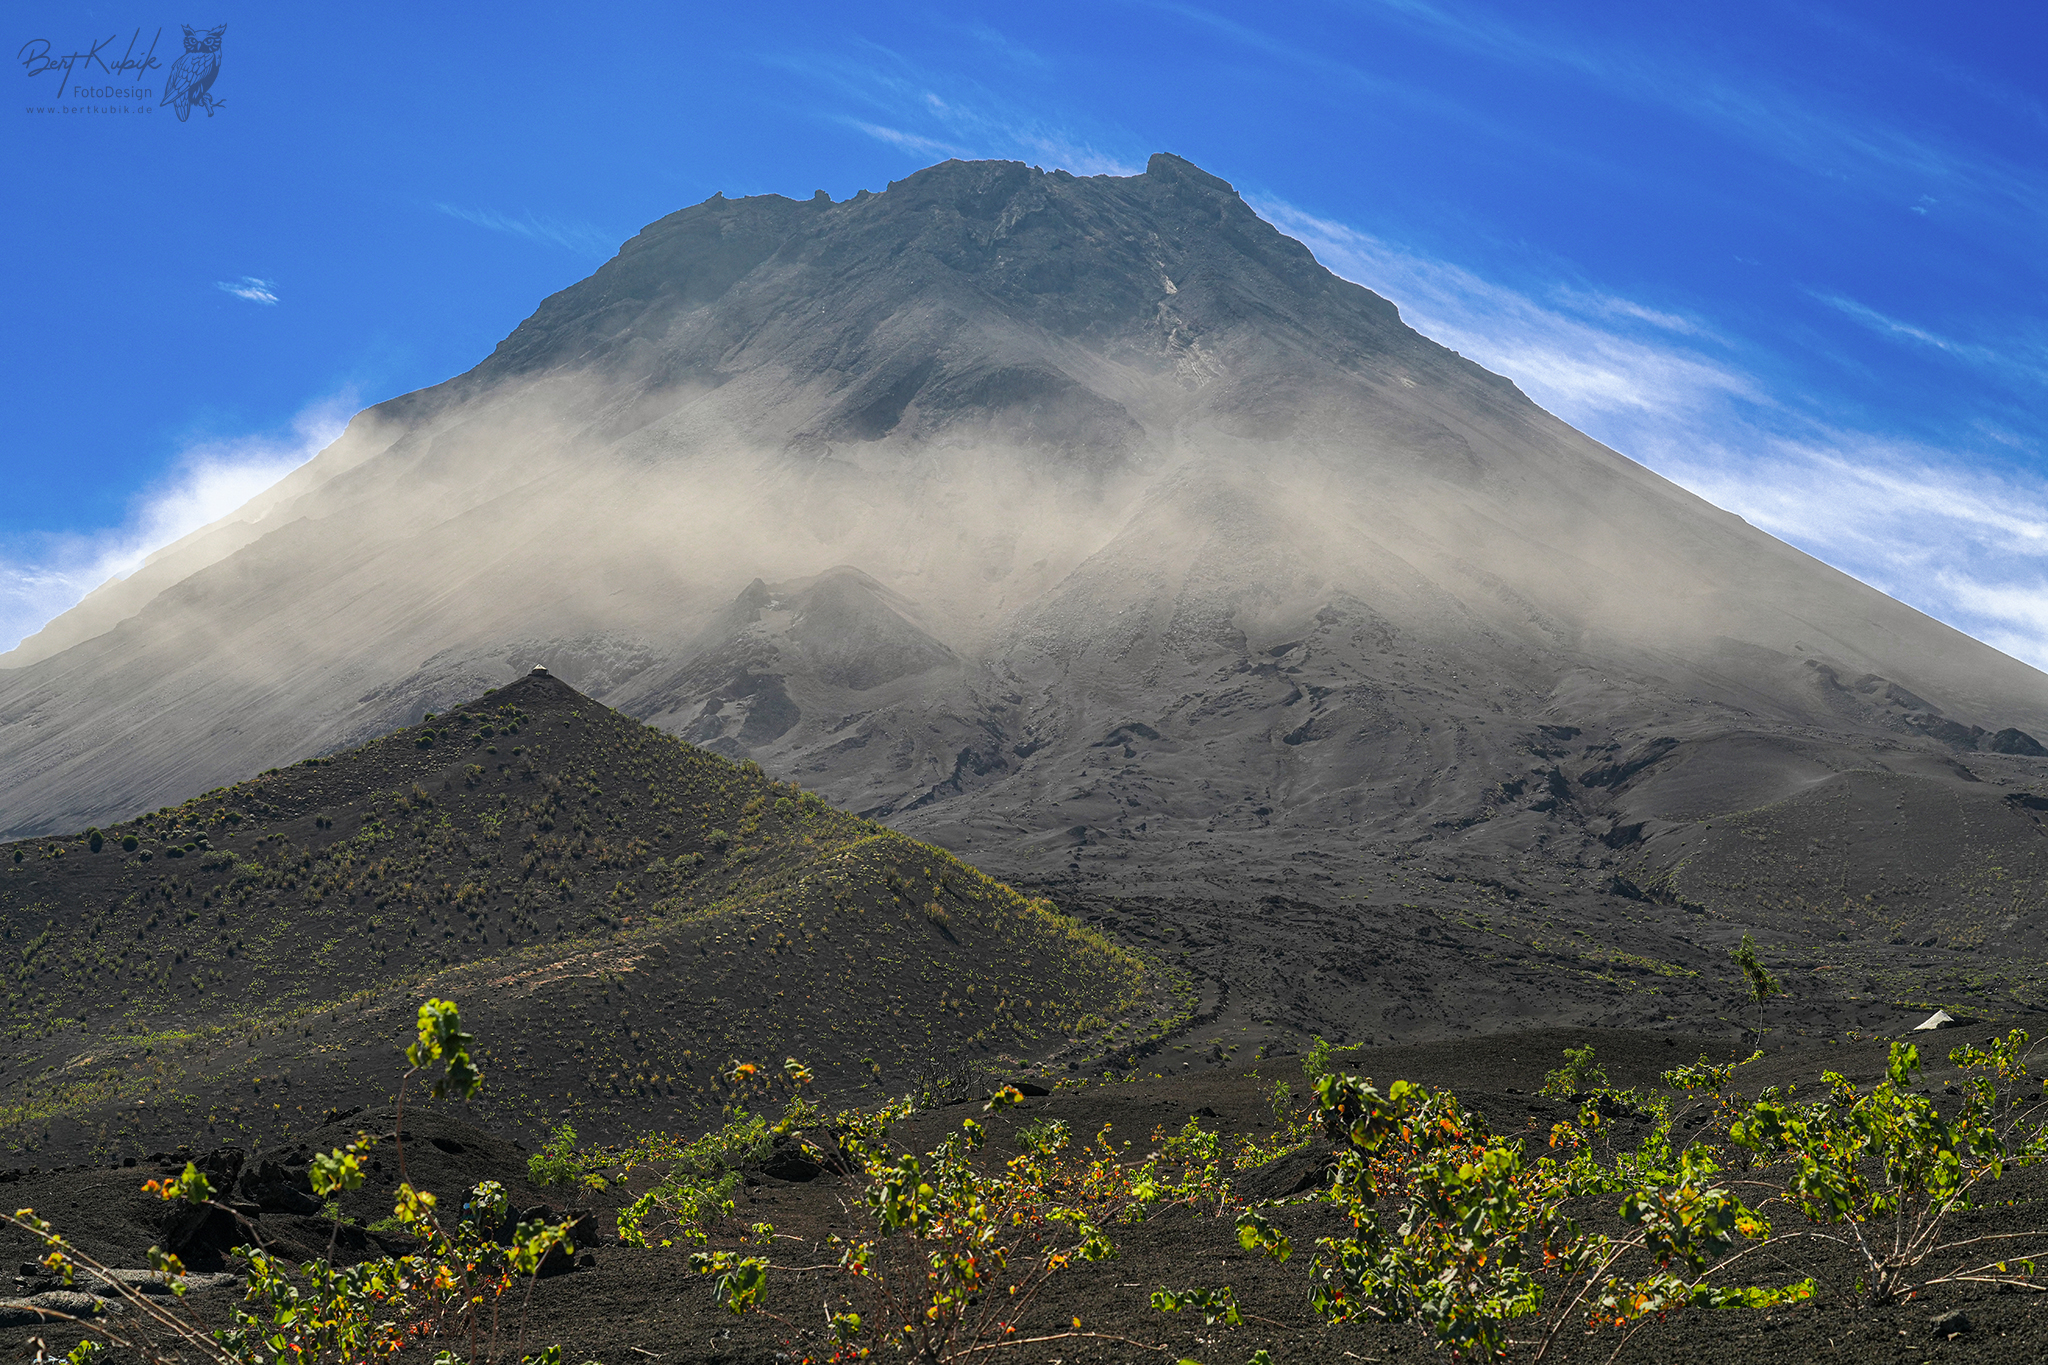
[(620, 913)]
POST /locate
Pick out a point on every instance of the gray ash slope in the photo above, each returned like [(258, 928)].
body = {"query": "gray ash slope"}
[(1090, 528)]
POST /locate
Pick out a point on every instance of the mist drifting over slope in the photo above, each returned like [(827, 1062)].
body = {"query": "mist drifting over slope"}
[(1087, 526)]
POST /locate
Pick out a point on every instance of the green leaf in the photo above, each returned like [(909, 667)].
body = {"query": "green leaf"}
[(441, 1039)]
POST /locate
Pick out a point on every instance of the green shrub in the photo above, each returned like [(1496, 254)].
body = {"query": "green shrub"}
[(949, 1255), (1880, 1172), (1470, 1238), (1757, 980), (452, 1286), (555, 1162), (1316, 1064), (1579, 1074)]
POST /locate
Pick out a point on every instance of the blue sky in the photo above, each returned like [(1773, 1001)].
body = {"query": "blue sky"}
[(1794, 256)]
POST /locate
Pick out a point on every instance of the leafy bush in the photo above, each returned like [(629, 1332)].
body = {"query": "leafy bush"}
[(951, 1258), (697, 1191), (952, 1253), (555, 1163), (1579, 1074), (684, 1201), (1482, 1231), (1468, 1237), (1317, 1064), (317, 1313), (1282, 1100), (1757, 978), (1882, 1171), (938, 1084)]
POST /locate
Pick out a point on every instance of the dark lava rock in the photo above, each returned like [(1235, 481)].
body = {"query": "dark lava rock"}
[(790, 1160), (1610, 1105), (221, 1165), (1952, 1323), (2011, 741), (277, 1188), (584, 1232), (1285, 1176), (43, 1307), (203, 1234)]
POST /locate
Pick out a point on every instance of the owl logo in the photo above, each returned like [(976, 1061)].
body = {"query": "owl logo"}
[(192, 74)]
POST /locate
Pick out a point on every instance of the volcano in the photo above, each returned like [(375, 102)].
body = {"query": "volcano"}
[(1090, 529)]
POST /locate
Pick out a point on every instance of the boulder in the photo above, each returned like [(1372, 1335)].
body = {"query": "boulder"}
[(1284, 1176), (47, 1306), (277, 1188)]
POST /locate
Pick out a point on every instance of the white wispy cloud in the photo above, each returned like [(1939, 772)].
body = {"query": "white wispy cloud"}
[(1356, 82), (1055, 149), (909, 142), (930, 113), (1936, 528), (1793, 122), (250, 288), (1964, 544), (1608, 305), (1893, 328), (1568, 354), (2022, 361), (1900, 509), (43, 576), (1005, 47), (585, 239)]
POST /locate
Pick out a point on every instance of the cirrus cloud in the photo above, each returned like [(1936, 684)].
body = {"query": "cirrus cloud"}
[(250, 288), (1941, 529)]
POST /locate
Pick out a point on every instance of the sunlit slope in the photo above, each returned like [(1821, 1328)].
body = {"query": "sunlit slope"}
[(621, 915)]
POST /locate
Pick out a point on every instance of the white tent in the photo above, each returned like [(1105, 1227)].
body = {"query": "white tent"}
[(1938, 1019)]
